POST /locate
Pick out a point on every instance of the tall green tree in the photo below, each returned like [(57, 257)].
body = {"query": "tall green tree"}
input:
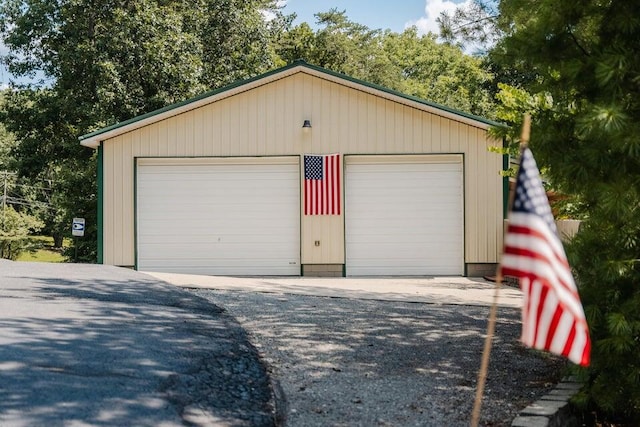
[(340, 45), (96, 63), (15, 230), (439, 72), (17, 201), (583, 60), (406, 62), (7, 142)]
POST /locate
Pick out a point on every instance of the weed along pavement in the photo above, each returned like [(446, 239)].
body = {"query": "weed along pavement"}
[(92, 345)]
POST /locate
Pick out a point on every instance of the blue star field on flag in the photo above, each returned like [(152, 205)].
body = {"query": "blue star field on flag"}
[(313, 168), (530, 195)]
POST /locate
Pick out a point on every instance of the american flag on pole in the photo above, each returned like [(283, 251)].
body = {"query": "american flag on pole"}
[(552, 317), (322, 184)]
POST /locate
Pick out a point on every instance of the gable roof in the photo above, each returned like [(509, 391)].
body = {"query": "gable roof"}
[(94, 139)]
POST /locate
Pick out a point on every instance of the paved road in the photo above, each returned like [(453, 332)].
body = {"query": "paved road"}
[(102, 346)]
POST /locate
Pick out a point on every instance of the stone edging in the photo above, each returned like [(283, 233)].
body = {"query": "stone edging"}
[(552, 410)]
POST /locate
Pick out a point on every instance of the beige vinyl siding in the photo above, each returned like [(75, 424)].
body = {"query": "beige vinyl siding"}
[(267, 121)]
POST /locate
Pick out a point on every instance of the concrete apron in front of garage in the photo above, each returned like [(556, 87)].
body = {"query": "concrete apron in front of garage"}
[(431, 290)]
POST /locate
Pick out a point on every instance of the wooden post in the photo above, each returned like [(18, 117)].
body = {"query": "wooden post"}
[(491, 327), (526, 131)]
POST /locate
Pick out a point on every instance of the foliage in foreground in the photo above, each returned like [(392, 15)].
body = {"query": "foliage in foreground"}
[(575, 67), (581, 60)]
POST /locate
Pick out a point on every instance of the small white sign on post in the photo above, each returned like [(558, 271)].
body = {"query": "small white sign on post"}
[(77, 229)]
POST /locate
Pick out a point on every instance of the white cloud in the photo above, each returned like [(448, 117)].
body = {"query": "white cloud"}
[(433, 9), (268, 15), (4, 74)]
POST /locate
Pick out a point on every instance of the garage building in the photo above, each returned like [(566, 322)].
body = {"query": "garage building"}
[(219, 184)]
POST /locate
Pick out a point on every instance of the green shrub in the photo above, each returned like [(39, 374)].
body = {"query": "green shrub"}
[(15, 228)]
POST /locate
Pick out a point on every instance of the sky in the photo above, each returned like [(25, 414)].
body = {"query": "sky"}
[(395, 15)]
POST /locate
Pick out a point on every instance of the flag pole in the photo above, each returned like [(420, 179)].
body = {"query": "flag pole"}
[(491, 327)]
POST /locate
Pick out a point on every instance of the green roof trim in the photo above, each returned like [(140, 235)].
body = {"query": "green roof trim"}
[(298, 63), (402, 95), (187, 101)]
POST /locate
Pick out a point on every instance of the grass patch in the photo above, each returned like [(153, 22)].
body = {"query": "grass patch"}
[(44, 251)]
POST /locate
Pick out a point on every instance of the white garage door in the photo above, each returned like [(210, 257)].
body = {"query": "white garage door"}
[(404, 215), (219, 217)]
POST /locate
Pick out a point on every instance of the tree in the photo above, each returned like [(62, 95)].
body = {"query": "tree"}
[(103, 62), (473, 24), (405, 62), (236, 38), (15, 230), (7, 144), (582, 59), (340, 45), (440, 73), (17, 201)]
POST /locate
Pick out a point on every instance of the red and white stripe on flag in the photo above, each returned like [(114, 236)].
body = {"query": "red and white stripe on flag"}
[(322, 184), (552, 317)]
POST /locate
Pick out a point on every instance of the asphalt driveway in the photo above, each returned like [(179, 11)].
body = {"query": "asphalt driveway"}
[(96, 345)]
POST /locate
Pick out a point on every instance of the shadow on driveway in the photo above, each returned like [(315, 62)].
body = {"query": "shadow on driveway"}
[(361, 362), (104, 346)]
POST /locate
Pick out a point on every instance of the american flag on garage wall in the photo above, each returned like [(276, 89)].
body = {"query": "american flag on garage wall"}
[(322, 184)]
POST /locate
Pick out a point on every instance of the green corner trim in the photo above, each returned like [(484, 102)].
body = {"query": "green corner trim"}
[(100, 214), (505, 182), (135, 213)]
